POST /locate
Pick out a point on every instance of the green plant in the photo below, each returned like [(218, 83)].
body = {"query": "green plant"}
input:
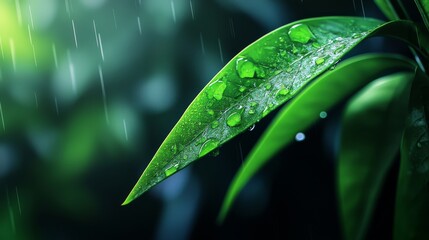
[(299, 63)]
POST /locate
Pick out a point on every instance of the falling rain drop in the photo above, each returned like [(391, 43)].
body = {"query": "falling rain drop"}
[(101, 47), (173, 11), (103, 91), (139, 25), (202, 43), (18, 12), (192, 10), (2, 117), (72, 74), (1, 48), (114, 18), (208, 146), (95, 33), (12, 53), (299, 137), (171, 170), (234, 119), (56, 106), (19, 202), (74, 33), (125, 129), (300, 33), (36, 99), (220, 50), (30, 13), (54, 52)]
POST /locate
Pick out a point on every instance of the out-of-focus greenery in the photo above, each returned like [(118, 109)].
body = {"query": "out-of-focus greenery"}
[(68, 153)]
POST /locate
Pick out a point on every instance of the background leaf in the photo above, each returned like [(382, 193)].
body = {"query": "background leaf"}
[(412, 208), (371, 133), (304, 110), (259, 79), (387, 8)]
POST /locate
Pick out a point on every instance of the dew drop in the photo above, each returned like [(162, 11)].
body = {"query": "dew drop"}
[(289, 69), (251, 128), (174, 149), (242, 89), (216, 89), (171, 170), (253, 104), (251, 111), (215, 124), (208, 146), (300, 33), (319, 61), (268, 86), (247, 69), (234, 119), (283, 92)]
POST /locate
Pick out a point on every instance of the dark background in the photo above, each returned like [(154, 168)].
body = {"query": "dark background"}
[(69, 156)]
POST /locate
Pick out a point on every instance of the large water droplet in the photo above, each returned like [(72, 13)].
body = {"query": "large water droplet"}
[(216, 89), (171, 170), (247, 69), (300, 33), (208, 146), (234, 119)]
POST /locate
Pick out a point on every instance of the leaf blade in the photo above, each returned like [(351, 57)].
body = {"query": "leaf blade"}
[(372, 129), (291, 119), (412, 195)]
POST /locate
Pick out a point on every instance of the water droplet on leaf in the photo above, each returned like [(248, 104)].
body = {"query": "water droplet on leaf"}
[(171, 170), (319, 61), (208, 146), (234, 119), (300, 33), (283, 92), (252, 128), (210, 112), (215, 124), (216, 89), (268, 86), (247, 69)]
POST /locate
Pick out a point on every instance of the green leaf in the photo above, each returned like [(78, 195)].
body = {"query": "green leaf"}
[(371, 134), (259, 79), (387, 8), (304, 110), (412, 196), (423, 7)]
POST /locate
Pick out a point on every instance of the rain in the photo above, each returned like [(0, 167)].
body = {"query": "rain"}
[(89, 89)]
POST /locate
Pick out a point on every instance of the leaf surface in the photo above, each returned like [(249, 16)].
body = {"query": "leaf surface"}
[(371, 134), (259, 79), (412, 195), (303, 111)]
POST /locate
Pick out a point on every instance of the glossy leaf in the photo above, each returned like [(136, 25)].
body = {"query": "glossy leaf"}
[(261, 77), (387, 8), (304, 110), (371, 134), (412, 199)]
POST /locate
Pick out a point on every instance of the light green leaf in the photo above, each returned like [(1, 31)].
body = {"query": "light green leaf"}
[(412, 195), (387, 8), (371, 135), (260, 78), (304, 110)]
